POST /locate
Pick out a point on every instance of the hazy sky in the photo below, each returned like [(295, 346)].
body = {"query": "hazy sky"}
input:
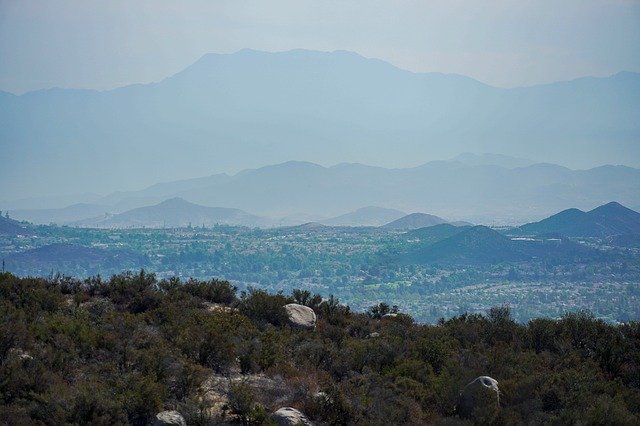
[(100, 44)]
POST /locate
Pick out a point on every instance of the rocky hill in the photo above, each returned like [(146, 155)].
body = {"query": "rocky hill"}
[(607, 220), (135, 350)]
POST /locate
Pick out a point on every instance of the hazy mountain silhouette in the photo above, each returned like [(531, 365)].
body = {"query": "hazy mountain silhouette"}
[(365, 216), (489, 159), (65, 215), (415, 221), (607, 220), (445, 188), (435, 233), (12, 227), (480, 244), (177, 212), (233, 111)]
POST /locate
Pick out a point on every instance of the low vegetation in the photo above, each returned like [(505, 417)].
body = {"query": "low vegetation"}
[(118, 351)]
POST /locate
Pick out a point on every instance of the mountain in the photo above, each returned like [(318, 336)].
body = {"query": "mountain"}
[(234, 111), (365, 216), (483, 245), (12, 227), (303, 192), (177, 212), (488, 159), (415, 221), (478, 244), (309, 226), (61, 216), (604, 221), (435, 233)]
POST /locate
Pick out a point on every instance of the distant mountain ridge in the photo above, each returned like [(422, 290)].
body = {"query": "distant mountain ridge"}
[(176, 212), (483, 245), (604, 221), (445, 243), (415, 221), (303, 192), (488, 159), (366, 216), (62, 216), (240, 110), (444, 188)]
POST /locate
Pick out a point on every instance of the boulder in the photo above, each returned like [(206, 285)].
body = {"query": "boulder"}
[(20, 354), (301, 316), (480, 400), (169, 418), (389, 316), (288, 416), (373, 335)]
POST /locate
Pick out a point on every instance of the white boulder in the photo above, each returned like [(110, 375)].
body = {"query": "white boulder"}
[(301, 316), (169, 418), (288, 416)]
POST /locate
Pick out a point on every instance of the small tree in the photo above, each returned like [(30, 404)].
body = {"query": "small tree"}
[(381, 309), (304, 297)]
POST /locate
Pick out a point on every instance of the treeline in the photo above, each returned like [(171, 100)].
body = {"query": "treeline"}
[(118, 351)]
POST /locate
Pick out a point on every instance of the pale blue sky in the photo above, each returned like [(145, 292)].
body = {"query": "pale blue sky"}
[(99, 44)]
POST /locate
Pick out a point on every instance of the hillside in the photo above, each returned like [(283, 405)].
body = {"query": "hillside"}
[(69, 259), (12, 227), (176, 212), (415, 221), (435, 233), (478, 244), (604, 221), (366, 216), (483, 245), (236, 111), (61, 216), (123, 350)]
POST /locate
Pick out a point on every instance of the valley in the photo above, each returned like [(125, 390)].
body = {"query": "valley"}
[(430, 272)]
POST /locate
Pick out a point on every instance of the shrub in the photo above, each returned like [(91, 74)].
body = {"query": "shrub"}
[(264, 308), (215, 291)]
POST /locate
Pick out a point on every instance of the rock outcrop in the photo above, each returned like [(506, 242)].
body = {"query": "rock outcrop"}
[(480, 400), (169, 418), (288, 416), (19, 354), (301, 316)]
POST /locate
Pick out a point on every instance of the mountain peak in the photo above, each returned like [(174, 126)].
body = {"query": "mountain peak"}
[(606, 220), (415, 221), (610, 207), (175, 201)]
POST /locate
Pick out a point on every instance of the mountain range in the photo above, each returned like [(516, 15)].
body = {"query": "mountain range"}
[(415, 221), (604, 221), (446, 243), (235, 111), (176, 212), (366, 216), (480, 244), (452, 190)]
